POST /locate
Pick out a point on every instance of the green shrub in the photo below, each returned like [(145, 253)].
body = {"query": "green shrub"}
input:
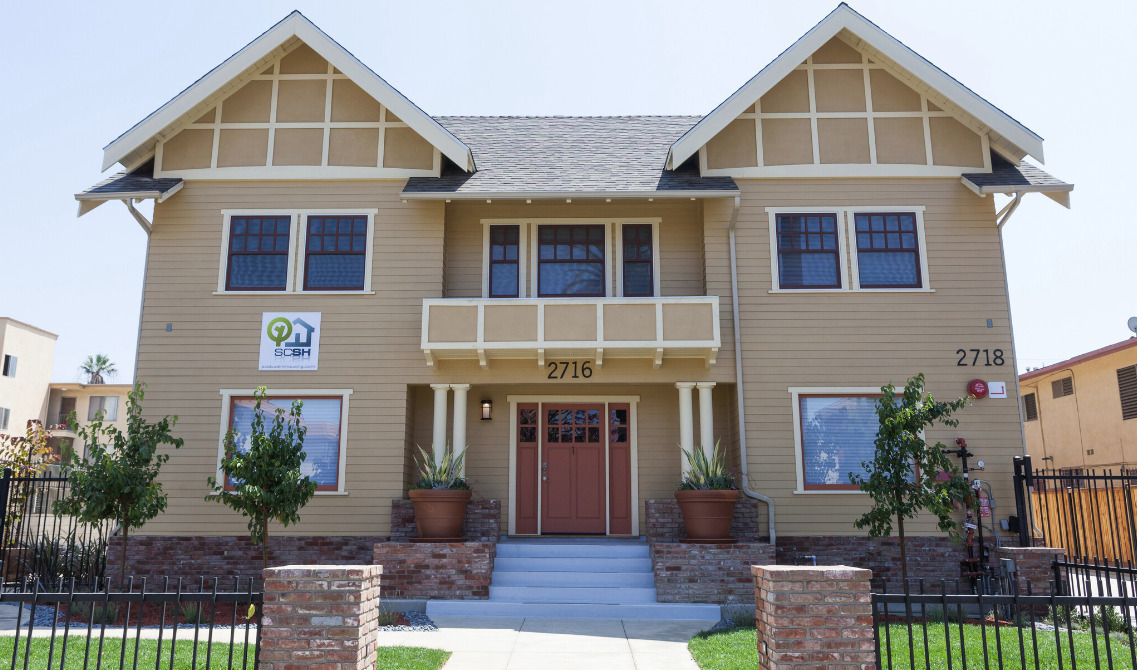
[(190, 612), (105, 613)]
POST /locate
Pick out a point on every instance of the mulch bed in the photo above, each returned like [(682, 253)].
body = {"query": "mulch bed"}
[(222, 614)]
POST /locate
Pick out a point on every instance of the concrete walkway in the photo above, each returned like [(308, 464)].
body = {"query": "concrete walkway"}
[(490, 643)]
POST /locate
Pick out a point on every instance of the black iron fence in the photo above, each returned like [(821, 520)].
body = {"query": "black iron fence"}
[(39, 547), (1025, 627), (1090, 514), (177, 625)]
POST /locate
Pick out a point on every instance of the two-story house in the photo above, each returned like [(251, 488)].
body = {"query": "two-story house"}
[(574, 298)]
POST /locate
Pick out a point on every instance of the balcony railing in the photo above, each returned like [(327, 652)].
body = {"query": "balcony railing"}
[(598, 328)]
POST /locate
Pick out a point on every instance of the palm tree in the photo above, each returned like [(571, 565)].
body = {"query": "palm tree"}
[(95, 367)]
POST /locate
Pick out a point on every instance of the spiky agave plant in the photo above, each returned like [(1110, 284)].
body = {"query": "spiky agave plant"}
[(441, 474), (706, 473)]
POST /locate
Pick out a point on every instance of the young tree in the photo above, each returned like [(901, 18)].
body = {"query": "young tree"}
[(903, 477), (117, 480), (262, 477), (98, 368)]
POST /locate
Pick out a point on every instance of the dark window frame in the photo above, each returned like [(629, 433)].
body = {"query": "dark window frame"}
[(835, 251), (308, 234), (602, 261), (268, 419), (10, 364), (872, 248), (230, 253), (505, 228), (638, 229)]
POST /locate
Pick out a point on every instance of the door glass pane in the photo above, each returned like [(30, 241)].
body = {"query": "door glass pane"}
[(593, 434), (528, 434), (554, 435), (618, 434), (578, 434), (580, 416), (594, 417), (618, 417), (554, 418), (529, 416), (566, 434)]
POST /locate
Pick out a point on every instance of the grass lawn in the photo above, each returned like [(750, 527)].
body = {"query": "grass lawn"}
[(736, 649), (390, 658)]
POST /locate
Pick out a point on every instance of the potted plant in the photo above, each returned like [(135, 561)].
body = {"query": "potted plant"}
[(707, 496), (440, 496)]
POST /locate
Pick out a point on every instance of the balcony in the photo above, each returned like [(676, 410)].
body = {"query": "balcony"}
[(596, 328)]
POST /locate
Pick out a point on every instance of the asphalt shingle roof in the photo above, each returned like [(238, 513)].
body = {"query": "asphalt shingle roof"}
[(557, 154), (1003, 174), (140, 180)]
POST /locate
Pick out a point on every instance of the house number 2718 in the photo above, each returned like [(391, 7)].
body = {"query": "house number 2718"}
[(559, 369)]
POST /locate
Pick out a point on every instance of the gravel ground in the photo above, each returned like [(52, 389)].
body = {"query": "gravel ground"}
[(416, 621)]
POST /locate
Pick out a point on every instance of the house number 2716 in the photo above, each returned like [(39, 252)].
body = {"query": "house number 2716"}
[(559, 369)]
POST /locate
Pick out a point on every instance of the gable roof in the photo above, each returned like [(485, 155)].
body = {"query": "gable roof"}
[(558, 156), (1001, 125), (137, 142)]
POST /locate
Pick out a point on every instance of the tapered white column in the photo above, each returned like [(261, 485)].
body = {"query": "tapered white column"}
[(459, 443), (439, 443), (686, 422), (706, 418)]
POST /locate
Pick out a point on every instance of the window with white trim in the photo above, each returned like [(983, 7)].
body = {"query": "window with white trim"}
[(848, 248), (574, 258), (297, 252), (838, 434), (323, 415)]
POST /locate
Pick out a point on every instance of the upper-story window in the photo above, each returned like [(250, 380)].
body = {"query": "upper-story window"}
[(570, 261), (4, 414), (580, 259), (297, 251), (848, 248), (106, 404), (504, 261), (9, 369)]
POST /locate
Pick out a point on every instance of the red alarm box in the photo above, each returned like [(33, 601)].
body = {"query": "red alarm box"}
[(977, 388)]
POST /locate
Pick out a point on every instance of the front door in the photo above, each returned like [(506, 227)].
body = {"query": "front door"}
[(573, 469)]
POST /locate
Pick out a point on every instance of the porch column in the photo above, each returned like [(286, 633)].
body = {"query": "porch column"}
[(459, 442), (439, 443), (706, 417), (686, 422)]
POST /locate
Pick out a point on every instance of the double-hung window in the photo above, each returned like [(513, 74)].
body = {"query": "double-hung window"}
[(808, 251), (107, 404), (570, 261), (297, 251), (579, 259), (324, 417), (848, 248)]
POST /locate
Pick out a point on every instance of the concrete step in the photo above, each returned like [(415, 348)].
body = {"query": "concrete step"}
[(587, 579), (572, 564), (549, 550), (573, 594), (499, 608)]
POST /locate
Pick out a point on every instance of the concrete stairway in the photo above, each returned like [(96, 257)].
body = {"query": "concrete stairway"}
[(573, 577)]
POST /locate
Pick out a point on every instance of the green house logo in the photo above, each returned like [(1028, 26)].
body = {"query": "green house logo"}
[(279, 329)]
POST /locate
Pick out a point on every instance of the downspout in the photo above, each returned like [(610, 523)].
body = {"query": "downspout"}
[(148, 228), (739, 393)]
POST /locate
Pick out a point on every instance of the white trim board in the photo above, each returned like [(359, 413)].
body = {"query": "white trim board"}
[(845, 18), (144, 134)]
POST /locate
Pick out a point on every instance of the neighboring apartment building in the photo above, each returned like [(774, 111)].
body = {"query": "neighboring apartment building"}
[(1082, 412), (26, 357), (87, 401), (555, 292)]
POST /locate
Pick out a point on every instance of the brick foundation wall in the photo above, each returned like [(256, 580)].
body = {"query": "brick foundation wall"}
[(818, 618), (706, 573), (453, 571), (196, 556), (665, 524), (483, 520), (930, 558), (320, 618), (1034, 565)]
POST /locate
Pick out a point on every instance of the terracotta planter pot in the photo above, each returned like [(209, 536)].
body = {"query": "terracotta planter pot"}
[(439, 513), (707, 515)]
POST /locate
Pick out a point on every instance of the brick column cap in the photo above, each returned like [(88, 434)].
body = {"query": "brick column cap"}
[(323, 571), (799, 573)]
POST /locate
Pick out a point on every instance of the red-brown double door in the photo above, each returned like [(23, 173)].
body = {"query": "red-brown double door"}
[(578, 455)]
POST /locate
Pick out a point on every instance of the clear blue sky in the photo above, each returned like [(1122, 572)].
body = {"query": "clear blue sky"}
[(79, 74)]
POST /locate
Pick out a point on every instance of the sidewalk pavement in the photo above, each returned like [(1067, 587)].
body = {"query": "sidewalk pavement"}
[(492, 643)]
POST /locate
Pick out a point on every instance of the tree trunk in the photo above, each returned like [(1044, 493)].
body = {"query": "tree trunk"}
[(264, 540), (125, 546), (903, 553)]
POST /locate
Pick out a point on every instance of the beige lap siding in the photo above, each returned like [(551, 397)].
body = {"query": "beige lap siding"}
[(853, 339), (370, 343)]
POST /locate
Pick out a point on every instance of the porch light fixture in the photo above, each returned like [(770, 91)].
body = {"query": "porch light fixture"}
[(487, 409)]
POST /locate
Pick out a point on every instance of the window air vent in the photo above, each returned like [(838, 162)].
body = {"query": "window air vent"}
[(1030, 407), (1063, 387), (1127, 386)]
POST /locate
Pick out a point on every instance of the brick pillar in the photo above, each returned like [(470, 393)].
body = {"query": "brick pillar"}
[(1034, 565), (320, 616), (813, 617)]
